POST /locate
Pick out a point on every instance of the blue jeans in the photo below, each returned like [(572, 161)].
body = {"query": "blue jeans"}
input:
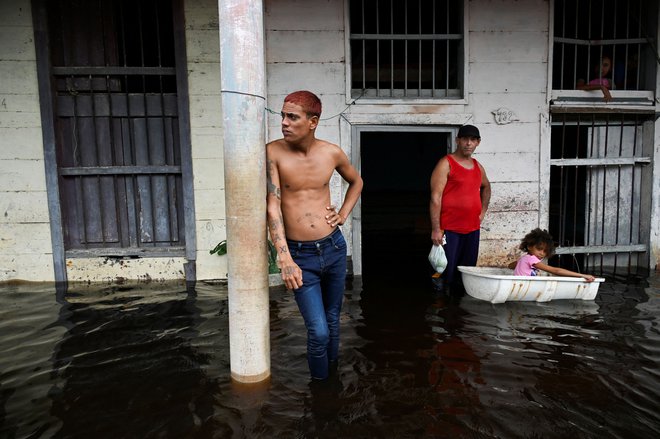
[(323, 265)]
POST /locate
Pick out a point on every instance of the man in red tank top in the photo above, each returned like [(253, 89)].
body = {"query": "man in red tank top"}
[(460, 194)]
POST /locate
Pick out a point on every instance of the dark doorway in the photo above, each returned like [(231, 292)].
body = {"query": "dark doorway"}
[(396, 229)]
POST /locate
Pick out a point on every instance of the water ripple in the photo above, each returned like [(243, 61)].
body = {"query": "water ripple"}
[(153, 361)]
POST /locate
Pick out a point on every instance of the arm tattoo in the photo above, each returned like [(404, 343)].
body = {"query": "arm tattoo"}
[(289, 271), (271, 188), (275, 223)]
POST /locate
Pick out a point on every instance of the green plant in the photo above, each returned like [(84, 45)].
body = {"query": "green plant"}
[(272, 259), (221, 249)]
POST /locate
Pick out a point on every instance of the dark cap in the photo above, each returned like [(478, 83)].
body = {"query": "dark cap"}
[(469, 131)]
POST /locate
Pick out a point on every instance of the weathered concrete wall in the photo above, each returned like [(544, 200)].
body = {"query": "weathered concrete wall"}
[(25, 243), (121, 270), (507, 69), (203, 49)]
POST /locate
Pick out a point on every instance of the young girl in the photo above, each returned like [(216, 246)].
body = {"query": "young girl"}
[(601, 81), (538, 244)]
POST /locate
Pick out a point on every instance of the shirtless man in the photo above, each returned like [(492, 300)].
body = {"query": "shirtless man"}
[(460, 194), (304, 224)]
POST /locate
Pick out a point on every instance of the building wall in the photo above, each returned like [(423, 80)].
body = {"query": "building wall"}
[(507, 69), (25, 240), (203, 50)]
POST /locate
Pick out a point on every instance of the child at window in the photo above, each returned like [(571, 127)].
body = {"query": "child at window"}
[(538, 244), (601, 82)]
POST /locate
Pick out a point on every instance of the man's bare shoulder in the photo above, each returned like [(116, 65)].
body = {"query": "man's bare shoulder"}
[(325, 143), (441, 170), (330, 148), (276, 145)]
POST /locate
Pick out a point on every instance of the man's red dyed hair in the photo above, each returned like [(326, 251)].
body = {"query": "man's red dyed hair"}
[(309, 102)]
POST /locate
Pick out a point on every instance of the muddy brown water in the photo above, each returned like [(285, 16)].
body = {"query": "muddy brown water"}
[(153, 361)]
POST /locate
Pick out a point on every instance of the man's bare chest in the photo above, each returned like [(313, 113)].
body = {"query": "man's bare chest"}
[(295, 176)]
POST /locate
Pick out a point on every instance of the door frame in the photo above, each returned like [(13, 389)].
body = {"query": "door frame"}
[(356, 159)]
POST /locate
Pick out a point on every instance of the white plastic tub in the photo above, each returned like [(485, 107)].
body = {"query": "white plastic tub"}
[(498, 285)]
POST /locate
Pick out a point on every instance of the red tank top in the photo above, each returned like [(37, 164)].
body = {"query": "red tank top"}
[(461, 198)]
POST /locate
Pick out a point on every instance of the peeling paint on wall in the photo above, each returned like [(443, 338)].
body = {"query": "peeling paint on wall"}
[(121, 270)]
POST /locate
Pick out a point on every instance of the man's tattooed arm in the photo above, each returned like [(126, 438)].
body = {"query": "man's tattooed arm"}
[(271, 187), (276, 228)]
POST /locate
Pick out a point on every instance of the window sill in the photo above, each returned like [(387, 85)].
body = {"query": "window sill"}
[(592, 100)]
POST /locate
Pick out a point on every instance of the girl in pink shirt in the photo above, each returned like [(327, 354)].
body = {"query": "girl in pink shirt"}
[(601, 81), (538, 244)]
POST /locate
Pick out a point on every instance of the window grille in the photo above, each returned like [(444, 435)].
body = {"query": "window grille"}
[(585, 31), (406, 48), (599, 190)]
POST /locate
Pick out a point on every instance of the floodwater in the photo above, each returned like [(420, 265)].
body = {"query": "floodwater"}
[(152, 361)]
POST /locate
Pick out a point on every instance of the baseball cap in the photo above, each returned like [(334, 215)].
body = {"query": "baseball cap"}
[(469, 131)]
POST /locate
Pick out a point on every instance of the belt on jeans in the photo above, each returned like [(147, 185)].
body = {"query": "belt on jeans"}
[(330, 239)]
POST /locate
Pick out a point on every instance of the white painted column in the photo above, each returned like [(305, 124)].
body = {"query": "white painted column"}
[(243, 107)]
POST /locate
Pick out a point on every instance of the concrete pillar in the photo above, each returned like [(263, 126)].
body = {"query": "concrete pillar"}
[(243, 106)]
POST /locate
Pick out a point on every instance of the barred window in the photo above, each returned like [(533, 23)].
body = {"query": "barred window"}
[(586, 31), (406, 48), (599, 190)]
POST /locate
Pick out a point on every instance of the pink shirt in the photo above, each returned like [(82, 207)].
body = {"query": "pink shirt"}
[(600, 81), (525, 266)]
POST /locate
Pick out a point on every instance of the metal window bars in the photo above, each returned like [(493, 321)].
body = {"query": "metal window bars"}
[(599, 194), (585, 31), (406, 49)]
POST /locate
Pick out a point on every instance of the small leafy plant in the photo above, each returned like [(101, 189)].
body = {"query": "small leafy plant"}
[(221, 249)]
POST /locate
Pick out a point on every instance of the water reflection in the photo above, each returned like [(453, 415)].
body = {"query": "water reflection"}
[(127, 365), (153, 361), (455, 372), (26, 343)]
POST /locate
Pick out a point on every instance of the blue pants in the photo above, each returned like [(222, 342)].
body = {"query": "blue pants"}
[(460, 249), (323, 265)]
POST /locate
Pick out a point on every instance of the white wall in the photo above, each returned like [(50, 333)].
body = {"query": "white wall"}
[(203, 50), (25, 242), (507, 68), (305, 49)]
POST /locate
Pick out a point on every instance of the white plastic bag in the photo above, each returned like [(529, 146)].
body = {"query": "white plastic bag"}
[(437, 258)]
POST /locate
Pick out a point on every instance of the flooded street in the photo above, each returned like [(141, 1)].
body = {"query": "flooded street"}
[(153, 361)]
